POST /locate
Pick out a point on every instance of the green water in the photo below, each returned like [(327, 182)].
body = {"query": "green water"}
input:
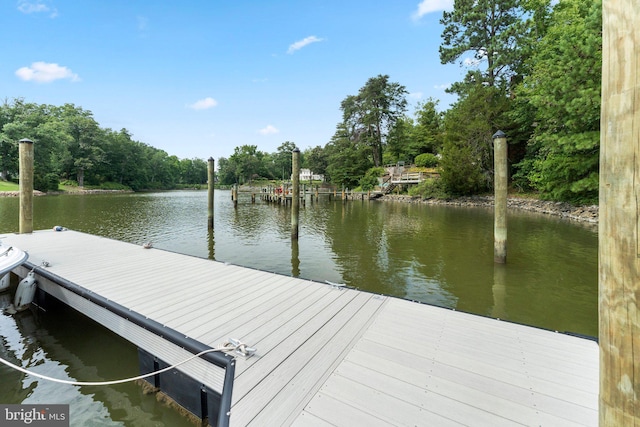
[(433, 254)]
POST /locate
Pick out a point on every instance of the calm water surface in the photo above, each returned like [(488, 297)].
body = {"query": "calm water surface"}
[(434, 254)]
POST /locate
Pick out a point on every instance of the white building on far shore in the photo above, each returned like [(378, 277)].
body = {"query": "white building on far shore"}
[(308, 175)]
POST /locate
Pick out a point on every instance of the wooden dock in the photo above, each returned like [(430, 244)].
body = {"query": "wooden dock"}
[(326, 356)]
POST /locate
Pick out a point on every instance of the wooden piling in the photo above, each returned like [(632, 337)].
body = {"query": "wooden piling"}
[(500, 197), (26, 185), (295, 258), (295, 192), (210, 184), (619, 222), (234, 195)]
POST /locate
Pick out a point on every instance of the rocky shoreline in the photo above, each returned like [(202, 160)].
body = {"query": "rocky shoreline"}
[(55, 193), (586, 214)]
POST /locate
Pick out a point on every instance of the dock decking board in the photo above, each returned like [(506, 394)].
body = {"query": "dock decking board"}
[(328, 356)]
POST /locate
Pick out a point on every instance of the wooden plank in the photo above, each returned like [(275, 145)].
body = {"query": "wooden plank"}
[(619, 224), (223, 311), (397, 390), (508, 404), (511, 340), (300, 349), (204, 371), (500, 352), (174, 289), (388, 408), (210, 300), (324, 410), (243, 320), (509, 385), (326, 357), (275, 340)]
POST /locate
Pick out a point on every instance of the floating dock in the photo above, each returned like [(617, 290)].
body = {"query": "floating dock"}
[(326, 355)]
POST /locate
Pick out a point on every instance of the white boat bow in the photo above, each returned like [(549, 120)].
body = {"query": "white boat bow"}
[(10, 258)]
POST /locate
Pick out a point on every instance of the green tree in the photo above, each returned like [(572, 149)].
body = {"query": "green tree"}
[(316, 159), (193, 171), (84, 151), (41, 124), (427, 132), (369, 115), (399, 141), (467, 155), (491, 30), (8, 145), (227, 171), (347, 163), (371, 178), (122, 159), (282, 161), (564, 91), (248, 163)]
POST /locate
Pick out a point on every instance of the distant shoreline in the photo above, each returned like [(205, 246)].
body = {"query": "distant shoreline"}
[(57, 193), (587, 214)]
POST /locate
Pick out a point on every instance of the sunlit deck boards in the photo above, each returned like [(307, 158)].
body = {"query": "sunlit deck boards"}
[(421, 365), (330, 356)]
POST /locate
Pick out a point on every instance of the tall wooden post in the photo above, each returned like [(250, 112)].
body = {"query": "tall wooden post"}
[(500, 197), (619, 224), (210, 182), (234, 195), (295, 258), (295, 192), (26, 185)]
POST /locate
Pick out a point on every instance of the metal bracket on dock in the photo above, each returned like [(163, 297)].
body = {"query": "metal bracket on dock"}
[(239, 348)]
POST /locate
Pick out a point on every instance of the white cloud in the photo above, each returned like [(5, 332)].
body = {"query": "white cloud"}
[(444, 86), (42, 72), (203, 104), (428, 6), (26, 6), (269, 130), (415, 95), (302, 43)]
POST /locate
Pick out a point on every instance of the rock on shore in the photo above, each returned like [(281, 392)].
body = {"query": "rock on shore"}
[(17, 193), (587, 214), (54, 193)]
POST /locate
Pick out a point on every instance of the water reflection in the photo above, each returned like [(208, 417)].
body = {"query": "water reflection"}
[(499, 291), (51, 345), (211, 244), (295, 258), (435, 254)]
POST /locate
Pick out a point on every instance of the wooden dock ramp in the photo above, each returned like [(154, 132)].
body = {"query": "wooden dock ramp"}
[(326, 356)]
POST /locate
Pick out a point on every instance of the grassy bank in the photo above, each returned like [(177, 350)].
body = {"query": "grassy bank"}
[(9, 186)]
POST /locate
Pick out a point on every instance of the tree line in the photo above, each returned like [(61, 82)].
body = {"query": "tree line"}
[(72, 148), (534, 73)]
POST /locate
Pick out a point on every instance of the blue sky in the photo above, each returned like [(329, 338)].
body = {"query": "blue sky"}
[(199, 78)]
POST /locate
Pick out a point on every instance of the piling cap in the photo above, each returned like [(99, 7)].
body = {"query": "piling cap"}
[(296, 150), (210, 159), (499, 134), (26, 141)]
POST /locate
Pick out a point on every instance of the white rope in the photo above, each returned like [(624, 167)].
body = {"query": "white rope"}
[(225, 347)]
